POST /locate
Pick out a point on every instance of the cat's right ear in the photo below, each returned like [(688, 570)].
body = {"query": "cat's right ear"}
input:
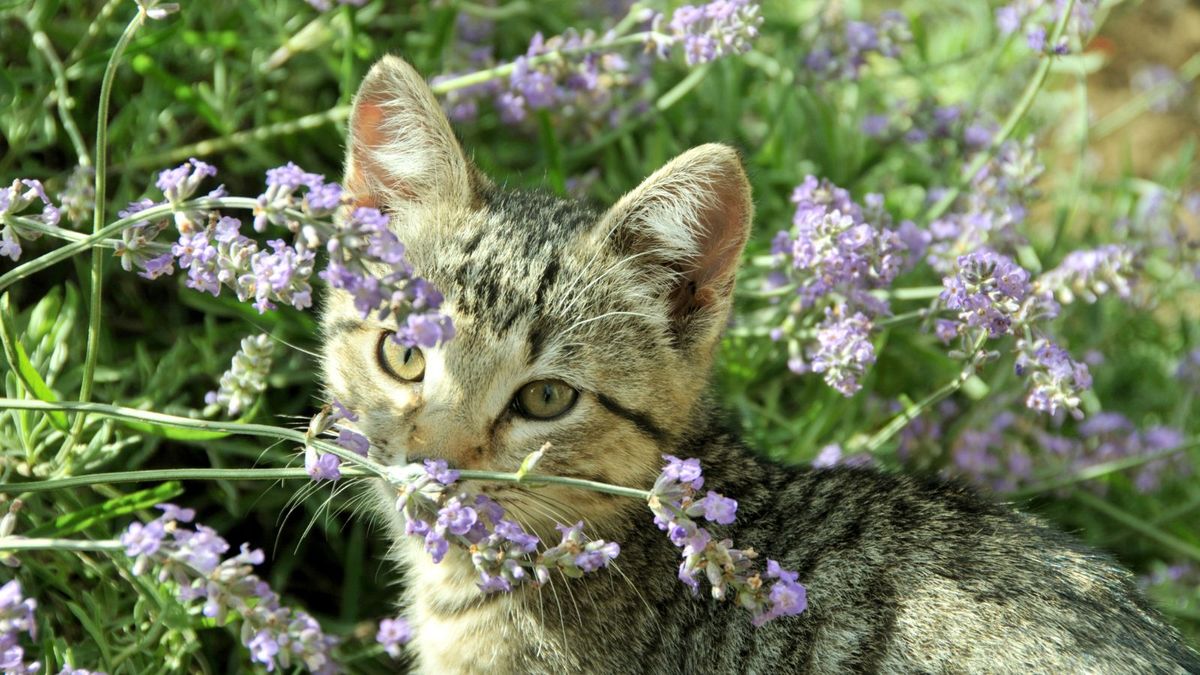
[(401, 150)]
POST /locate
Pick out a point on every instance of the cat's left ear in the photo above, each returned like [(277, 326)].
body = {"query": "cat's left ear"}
[(401, 149), (687, 225)]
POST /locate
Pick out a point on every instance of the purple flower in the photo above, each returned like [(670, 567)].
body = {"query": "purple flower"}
[(1166, 89), (156, 267), (787, 596), (875, 125), (1090, 274), (263, 649), (173, 512), (393, 633), (728, 570), (829, 456), (456, 518), (1008, 19), (843, 350), (181, 182), (281, 274), (521, 541), (719, 509), (594, 558), (193, 561), (1035, 37), (143, 539), (438, 470), (833, 250), (988, 291), (16, 198), (685, 471), (16, 617), (1056, 381), (436, 545), (841, 51), (425, 330), (322, 466), (341, 412), (713, 30), (353, 441)]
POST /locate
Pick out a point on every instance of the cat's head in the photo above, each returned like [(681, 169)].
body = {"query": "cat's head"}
[(592, 331)]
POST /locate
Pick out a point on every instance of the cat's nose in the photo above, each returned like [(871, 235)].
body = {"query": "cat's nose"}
[(460, 451)]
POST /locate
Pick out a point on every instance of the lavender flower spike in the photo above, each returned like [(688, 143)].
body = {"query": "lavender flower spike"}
[(716, 29), (16, 198), (245, 379), (217, 587), (16, 617), (1090, 274)]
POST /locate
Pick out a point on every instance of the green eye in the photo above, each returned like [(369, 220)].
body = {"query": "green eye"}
[(406, 364), (544, 399)]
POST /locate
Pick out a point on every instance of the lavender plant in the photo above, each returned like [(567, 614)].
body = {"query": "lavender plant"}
[(947, 290)]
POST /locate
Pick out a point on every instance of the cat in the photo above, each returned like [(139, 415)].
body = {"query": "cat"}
[(596, 332)]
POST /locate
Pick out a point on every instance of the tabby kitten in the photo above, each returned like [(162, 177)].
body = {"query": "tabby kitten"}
[(596, 332)]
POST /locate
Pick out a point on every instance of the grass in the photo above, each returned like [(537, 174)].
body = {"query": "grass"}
[(250, 85)]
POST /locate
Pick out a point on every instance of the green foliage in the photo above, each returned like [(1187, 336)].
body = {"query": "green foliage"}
[(230, 81)]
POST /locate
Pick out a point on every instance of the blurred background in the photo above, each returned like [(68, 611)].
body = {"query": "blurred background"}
[(252, 85)]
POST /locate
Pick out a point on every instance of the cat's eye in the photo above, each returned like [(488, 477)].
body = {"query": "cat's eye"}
[(406, 364), (544, 399)]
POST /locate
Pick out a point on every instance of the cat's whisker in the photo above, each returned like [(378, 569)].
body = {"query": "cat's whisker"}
[(556, 514), (283, 342), (584, 322), (546, 513), (295, 501), (517, 513)]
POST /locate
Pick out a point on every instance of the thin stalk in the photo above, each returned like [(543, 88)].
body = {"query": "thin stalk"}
[(65, 234), (94, 315), (1099, 471), (260, 430), (43, 44), (1010, 123), (915, 293), (897, 319), (1165, 539), (393, 475), (159, 475), (536, 478), (506, 69), (96, 238), (240, 138), (342, 112), (45, 544), (893, 427), (507, 11), (1133, 108), (661, 104)]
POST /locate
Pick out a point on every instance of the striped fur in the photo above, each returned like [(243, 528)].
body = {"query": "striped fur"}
[(904, 574)]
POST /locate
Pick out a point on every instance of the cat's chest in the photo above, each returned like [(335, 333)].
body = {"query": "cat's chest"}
[(457, 629)]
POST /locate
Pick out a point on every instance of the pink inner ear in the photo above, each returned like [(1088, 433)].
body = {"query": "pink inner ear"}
[(364, 177), (368, 119), (724, 224)]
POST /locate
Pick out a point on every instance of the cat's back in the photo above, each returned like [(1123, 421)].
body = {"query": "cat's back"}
[(908, 574)]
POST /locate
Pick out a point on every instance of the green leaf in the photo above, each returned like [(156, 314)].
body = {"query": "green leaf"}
[(83, 519), (38, 387), (19, 361)]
